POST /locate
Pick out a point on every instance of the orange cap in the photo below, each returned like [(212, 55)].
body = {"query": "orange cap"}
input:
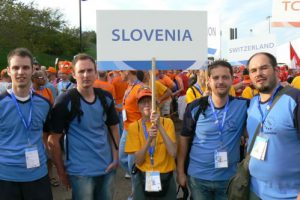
[(51, 70), (246, 79), (64, 70), (144, 92)]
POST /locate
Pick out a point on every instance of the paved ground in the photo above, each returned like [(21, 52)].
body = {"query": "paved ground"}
[(123, 186)]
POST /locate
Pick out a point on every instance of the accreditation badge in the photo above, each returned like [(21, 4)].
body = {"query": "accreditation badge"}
[(32, 157), (221, 159), (124, 115), (153, 183), (259, 148)]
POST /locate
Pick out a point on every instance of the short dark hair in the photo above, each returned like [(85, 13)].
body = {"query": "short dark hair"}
[(22, 52), (272, 58), (219, 63), (83, 56)]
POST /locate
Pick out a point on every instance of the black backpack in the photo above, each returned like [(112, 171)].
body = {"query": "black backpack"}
[(203, 104), (77, 112)]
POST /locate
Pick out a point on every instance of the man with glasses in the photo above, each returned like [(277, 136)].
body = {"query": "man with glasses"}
[(274, 164)]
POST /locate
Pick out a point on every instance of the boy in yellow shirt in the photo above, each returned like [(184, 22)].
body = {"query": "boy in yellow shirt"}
[(152, 140)]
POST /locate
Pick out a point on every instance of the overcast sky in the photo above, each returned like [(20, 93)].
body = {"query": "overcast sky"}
[(244, 15)]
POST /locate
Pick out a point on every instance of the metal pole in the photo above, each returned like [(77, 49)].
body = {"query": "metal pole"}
[(269, 20), (80, 33)]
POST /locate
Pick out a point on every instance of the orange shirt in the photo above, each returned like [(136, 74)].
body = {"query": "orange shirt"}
[(120, 88), (46, 92), (104, 85), (130, 104), (167, 81)]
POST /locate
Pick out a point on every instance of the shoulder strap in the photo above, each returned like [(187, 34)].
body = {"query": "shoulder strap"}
[(203, 103), (75, 105), (69, 84), (279, 94), (193, 89), (100, 94)]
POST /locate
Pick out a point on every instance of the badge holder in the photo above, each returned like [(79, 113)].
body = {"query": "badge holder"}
[(124, 115), (153, 183), (32, 157), (260, 147), (221, 159)]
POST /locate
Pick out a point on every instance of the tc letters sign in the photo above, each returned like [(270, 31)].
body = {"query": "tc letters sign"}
[(286, 13), (137, 36)]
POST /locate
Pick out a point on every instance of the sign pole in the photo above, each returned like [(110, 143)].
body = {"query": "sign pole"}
[(153, 86)]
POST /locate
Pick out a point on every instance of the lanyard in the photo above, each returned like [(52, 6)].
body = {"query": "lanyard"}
[(28, 122), (270, 101), (128, 91), (220, 125), (197, 86), (151, 148)]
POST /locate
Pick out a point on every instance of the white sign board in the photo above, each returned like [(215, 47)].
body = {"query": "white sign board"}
[(213, 35), (129, 37), (242, 49), (286, 13)]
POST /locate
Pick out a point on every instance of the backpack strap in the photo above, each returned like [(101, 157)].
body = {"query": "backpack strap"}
[(100, 93), (69, 84), (193, 89)]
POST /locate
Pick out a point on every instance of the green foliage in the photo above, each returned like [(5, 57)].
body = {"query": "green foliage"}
[(44, 32)]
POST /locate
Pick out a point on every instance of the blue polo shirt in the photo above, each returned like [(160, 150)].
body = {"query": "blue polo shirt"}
[(278, 176), (206, 138), (89, 150), (14, 137)]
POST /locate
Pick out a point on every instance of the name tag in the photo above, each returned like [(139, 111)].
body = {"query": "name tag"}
[(259, 148), (221, 159), (124, 115), (32, 157), (153, 183)]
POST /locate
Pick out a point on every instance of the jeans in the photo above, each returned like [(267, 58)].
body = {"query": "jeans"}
[(121, 125), (93, 188), (126, 160), (207, 190)]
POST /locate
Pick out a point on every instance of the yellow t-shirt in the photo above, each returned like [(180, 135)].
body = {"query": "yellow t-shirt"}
[(232, 91), (163, 162), (160, 89), (249, 92), (296, 82), (191, 92)]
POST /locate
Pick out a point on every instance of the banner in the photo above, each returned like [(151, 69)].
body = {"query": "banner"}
[(241, 50), (286, 13), (130, 39)]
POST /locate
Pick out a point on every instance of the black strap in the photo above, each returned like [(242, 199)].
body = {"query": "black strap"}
[(68, 85), (77, 112), (194, 91), (100, 94)]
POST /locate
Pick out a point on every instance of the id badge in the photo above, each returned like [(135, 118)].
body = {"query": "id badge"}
[(221, 159), (153, 183), (32, 157), (259, 148), (124, 115)]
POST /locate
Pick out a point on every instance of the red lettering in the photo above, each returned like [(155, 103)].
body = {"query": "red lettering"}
[(294, 7), (291, 5)]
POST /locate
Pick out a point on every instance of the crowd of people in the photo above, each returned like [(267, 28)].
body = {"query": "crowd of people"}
[(88, 123)]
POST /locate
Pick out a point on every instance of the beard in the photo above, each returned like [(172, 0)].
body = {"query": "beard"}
[(268, 87)]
